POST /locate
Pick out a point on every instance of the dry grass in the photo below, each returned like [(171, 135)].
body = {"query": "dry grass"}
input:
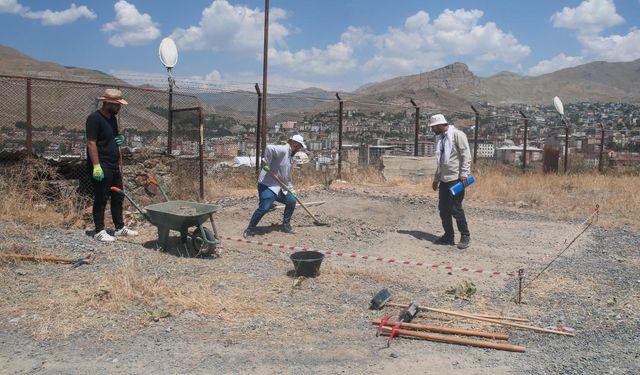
[(574, 196), (42, 205), (126, 298), (566, 197)]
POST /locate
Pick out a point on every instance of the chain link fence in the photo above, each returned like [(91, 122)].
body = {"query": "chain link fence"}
[(43, 120), (212, 132)]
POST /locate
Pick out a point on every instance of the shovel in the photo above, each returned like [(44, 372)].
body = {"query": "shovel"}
[(283, 186)]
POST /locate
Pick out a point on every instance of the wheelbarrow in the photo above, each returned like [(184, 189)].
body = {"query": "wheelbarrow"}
[(180, 216)]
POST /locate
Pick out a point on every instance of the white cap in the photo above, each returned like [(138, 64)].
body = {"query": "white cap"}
[(298, 138), (437, 120)]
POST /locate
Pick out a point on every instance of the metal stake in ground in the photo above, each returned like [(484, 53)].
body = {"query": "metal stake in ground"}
[(520, 277)]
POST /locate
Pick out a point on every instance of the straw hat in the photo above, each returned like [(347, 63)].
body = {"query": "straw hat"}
[(113, 96)]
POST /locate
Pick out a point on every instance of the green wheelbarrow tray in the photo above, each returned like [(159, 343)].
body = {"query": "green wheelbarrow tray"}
[(171, 216), (181, 215)]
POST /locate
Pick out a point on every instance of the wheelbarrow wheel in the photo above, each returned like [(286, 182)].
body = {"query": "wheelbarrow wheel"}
[(199, 245)]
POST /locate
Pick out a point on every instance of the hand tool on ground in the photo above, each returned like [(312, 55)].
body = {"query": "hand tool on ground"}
[(496, 317), (48, 258), (455, 331), (405, 315), (283, 186), (495, 321), (380, 299), (455, 340)]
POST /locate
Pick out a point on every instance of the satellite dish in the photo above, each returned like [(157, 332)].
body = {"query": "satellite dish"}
[(558, 104), (168, 53)]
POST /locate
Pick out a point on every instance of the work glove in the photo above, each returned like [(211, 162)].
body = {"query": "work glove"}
[(98, 173), (435, 184), (266, 167), (119, 139), (295, 194)]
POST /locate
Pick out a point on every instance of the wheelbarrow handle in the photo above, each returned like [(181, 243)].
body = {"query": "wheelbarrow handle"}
[(117, 190), (155, 183)]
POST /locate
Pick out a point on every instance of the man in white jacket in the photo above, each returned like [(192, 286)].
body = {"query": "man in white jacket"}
[(278, 159), (453, 165)]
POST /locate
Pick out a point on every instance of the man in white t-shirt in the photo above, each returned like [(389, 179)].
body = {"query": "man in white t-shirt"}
[(278, 159)]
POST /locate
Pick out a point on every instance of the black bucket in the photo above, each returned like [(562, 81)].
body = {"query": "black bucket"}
[(307, 263)]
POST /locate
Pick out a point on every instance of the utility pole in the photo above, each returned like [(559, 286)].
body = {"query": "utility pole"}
[(265, 59), (258, 128)]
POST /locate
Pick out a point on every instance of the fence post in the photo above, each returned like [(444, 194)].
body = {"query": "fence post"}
[(170, 119), (524, 144), (29, 144), (475, 135), (258, 128), (340, 137), (417, 128), (201, 151), (566, 144), (600, 167)]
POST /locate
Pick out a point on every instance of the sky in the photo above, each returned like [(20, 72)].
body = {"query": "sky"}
[(335, 45)]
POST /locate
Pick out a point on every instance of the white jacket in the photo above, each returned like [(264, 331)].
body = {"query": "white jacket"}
[(454, 142), (279, 160)]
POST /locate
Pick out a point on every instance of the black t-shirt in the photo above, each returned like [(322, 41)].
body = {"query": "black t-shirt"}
[(103, 130)]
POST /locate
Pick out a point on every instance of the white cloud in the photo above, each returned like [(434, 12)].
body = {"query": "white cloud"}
[(424, 44), (421, 44), (226, 27), (130, 27), (51, 18), (613, 47), (335, 59), (558, 62), (591, 16), (48, 17), (11, 6), (590, 19)]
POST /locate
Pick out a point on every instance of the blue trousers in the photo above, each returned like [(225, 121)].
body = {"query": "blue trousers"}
[(267, 197)]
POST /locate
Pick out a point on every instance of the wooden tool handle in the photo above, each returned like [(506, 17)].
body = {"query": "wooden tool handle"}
[(41, 258), (282, 185), (494, 321), (498, 317), (455, 331), (458, 340)]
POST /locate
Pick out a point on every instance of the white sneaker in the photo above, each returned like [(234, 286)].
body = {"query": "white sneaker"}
[(103, 236), (126, 232)]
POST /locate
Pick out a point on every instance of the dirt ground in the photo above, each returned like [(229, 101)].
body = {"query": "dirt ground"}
[(136, 309)]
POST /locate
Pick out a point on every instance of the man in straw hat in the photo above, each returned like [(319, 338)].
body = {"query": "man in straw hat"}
[(103, 157), (278, 159), (453, 160)]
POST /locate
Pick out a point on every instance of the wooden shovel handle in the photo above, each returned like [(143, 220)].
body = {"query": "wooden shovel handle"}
[(455, 331), (457, 340)]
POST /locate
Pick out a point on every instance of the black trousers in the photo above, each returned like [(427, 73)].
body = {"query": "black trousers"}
[(450, 205), (101, 194)]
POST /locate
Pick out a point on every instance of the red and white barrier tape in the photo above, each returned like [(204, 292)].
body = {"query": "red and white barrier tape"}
[(434, 266)]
